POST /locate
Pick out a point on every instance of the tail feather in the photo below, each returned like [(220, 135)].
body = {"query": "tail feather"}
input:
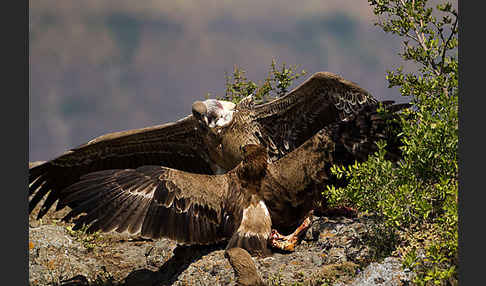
[(256, 245)]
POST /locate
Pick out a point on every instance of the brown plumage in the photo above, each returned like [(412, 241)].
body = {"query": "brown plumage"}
[(208, 141), (157, 201), (282, 124), (176, 145), (240, 206), (294, 184)]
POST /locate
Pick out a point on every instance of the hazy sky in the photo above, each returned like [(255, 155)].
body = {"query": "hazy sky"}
[(104, 66)]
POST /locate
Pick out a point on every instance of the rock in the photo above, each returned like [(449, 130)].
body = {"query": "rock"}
[(332, 252), (388, 272)]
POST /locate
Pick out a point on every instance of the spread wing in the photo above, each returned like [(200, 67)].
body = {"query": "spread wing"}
[(154, 201), (299, 177), (176, 145), (324, 98)]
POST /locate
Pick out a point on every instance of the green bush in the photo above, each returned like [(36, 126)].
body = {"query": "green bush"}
[(415, 199), (277, 84), (417, 196)]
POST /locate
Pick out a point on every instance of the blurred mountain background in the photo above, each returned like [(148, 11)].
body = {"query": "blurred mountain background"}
[(105, 66)]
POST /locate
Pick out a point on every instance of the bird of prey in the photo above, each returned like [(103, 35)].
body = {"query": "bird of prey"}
[(248, 206), (280, 125), (209, 140)]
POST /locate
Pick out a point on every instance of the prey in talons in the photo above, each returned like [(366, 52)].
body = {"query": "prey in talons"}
[(288, 242)]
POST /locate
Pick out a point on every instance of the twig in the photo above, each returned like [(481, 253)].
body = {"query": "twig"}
[(445, 45), (420, 36)]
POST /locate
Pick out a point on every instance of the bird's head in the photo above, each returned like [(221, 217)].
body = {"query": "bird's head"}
[(253, 151), (255, 160), (212, 113)]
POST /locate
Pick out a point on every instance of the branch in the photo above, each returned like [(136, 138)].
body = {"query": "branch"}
[(413, 38), (420, 36), (445, 46), (420, 39)]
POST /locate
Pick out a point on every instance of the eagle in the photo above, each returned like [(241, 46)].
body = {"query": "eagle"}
[(248, 207), (208, 141)]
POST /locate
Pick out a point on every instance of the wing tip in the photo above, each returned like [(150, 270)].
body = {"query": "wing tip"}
[(326, 75), (35, 164)]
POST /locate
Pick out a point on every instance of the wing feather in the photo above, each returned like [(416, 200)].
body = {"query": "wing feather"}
[(115, 219), (324, 98), (135, 224), (176, 145), (130, 214), (151, 200), (42, 190)]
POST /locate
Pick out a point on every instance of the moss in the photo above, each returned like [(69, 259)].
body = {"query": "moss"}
[(332, 273), (90, 241)]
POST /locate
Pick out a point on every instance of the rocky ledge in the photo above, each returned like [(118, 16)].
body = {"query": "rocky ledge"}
[(333, 252)]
